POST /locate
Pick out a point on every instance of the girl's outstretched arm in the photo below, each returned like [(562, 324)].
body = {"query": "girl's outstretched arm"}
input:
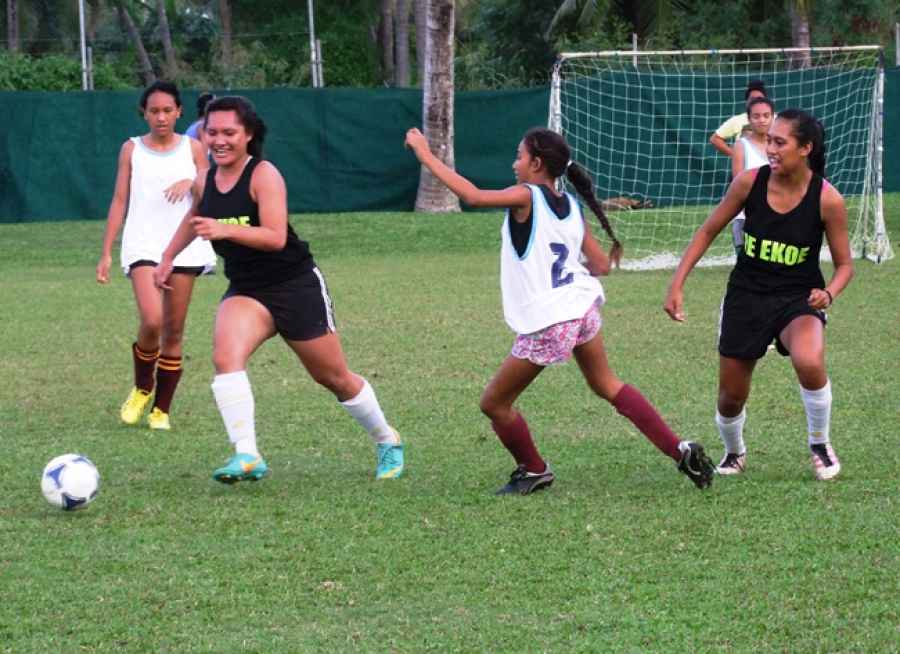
[(727, 209), (514, 197)]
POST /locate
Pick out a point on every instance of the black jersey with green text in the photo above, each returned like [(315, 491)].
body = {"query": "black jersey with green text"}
[(781, 251), (248, 267)]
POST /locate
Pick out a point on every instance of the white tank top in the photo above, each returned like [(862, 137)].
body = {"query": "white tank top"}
[(152, 220), (753, 158), (548, 284)]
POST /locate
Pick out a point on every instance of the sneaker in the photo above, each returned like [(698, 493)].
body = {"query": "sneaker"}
[(242, 467), (523, 482), (158, 419), (390, 460), (827, 465), (695, 464), (731, 464), (135, 404)]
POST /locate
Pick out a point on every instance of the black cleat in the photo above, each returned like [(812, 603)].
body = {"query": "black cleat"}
[(696, 464), (523, 482)]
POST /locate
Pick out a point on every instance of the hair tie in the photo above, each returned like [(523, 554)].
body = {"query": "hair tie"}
[(569, 164)]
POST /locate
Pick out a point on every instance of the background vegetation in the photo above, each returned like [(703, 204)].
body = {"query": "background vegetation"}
[(499, 43)]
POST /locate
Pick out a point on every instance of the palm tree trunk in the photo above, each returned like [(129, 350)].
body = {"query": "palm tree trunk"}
[(437, 109), (143, 59), (401, 35), (800, 33), (386, 39), (166, 37), (420, 18), (225, 15), (12, 25)]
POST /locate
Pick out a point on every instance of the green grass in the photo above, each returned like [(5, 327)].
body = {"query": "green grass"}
[(622, 554)]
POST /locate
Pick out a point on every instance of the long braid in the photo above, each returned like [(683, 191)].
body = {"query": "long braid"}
[(553, 150), (585, 187)]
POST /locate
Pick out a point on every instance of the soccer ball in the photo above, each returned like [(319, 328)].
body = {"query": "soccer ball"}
[(70, 482)]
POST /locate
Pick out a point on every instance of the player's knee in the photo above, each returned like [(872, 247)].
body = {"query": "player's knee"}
[(491, 407), (340, 383), (731, 400)]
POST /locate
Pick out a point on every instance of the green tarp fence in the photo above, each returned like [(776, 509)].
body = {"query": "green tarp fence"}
[(339, 150)]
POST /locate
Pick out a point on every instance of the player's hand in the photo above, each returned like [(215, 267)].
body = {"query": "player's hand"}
[(818, 299), (178, 191), (673, 305), (209, 229), (161, 274), (417, 141), (103, 268)]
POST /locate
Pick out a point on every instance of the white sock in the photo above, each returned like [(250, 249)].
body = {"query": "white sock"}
[(732, 432), (235, 400), (365, 408), (818, 412)]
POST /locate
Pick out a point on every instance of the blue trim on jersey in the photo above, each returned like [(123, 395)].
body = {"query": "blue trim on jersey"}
[(538, 195), (180, 145)]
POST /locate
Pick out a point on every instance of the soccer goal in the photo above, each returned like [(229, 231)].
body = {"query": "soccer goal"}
[(640, 123)]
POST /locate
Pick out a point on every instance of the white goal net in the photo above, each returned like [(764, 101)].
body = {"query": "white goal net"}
[(640, 123)]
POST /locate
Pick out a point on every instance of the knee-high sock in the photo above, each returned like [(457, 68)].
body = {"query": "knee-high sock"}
[(516, 437), (144, 366), (168, 372), (235, 400), (732, 432), (634, 406), (365, 408), (818, 412)]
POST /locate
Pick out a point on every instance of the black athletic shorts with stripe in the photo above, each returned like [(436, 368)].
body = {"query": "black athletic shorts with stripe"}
[(301, 307), (749, 322)]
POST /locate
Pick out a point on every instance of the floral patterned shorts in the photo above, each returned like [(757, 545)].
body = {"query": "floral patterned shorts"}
[(553, 346)]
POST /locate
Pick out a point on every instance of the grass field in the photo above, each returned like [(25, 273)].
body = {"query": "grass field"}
[(622, 554)]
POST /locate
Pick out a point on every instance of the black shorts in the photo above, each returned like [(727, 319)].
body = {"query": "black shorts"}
[(196, 271), (749, 322), (301, 307)]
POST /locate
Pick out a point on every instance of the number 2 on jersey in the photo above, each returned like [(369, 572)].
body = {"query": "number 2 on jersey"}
[(562, 253)]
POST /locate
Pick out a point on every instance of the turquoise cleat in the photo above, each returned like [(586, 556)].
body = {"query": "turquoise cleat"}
[(390, 460), (242, 467)]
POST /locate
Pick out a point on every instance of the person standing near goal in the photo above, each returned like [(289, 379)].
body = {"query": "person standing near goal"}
[(749, 152), (153, 183), (551, 300), (732, 128), (776, 290), (274, 288)]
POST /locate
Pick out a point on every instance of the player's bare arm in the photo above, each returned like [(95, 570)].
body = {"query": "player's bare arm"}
[(719, 144), (834, 215), (117, 209), (726, 210), (268, 190), (597, 263), (516, 198), (183, 236)]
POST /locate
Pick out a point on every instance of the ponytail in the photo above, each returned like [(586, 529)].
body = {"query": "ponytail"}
[(808, 129), (585, 188)]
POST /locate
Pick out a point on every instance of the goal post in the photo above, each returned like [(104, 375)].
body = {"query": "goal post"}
[(640, 122)]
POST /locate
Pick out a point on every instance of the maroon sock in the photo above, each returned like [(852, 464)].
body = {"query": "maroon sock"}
[(168, 372), (516, 437), (144, 366), (634, 406)]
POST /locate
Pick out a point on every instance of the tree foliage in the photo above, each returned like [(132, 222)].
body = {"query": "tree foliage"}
[(499, 43)]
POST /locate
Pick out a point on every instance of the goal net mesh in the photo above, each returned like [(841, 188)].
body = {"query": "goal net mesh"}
[(640, 124)]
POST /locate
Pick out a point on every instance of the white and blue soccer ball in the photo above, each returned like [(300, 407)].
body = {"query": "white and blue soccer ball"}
[(70, 482)]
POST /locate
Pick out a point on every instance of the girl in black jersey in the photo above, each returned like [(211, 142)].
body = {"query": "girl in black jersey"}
[(275, 288), (776, 290)]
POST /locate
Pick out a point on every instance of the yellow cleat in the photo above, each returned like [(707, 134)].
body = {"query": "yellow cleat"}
[(157, 419), (134, 406)]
